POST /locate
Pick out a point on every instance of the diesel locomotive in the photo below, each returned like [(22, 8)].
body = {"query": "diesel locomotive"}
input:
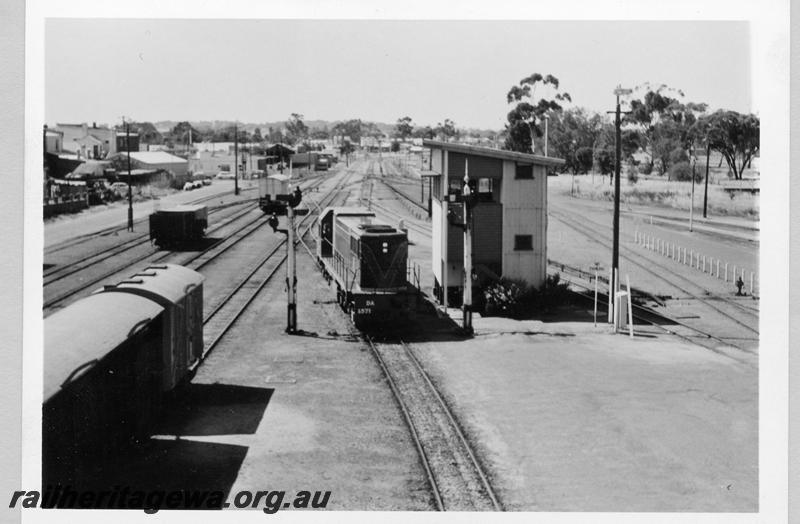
[(368, 262)]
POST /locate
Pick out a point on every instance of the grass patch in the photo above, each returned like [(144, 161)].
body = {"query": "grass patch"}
[(660, 192)]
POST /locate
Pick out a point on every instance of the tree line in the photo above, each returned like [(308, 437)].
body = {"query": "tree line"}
[(657, 121)]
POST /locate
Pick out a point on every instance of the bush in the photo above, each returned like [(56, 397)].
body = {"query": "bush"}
[(645, 168), (604, 158), (633, 174), (583, 159), (683, 171), (553, 293), (515, 298), (505, 297), (677, 156)]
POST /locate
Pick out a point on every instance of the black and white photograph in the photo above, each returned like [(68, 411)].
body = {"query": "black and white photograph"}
[(421, 259)]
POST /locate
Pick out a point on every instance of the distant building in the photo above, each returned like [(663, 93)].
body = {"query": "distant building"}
[(155, 160), (122, 141), (53, 142), (76, 139), (509, 235)]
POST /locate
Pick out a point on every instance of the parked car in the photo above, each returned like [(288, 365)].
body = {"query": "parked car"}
[(188, 186), (120, 189), (225, 175)]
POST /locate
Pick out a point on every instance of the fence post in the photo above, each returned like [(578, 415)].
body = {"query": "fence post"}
[(726, 271), (704, 263), (684, 256), (691, 258), (717, 268)]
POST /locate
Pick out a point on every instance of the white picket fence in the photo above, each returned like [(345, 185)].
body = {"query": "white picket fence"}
[(694, 259)]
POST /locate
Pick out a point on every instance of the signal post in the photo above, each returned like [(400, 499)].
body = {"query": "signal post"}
[(291, 266)]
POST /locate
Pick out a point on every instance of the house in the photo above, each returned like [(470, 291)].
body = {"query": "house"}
[(509, 232), (76, 140)]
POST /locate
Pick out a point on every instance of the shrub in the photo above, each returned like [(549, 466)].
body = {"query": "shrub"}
[(683, 171), (677, 156), (633, 174), (604, 158), (645, 168), (515, 298), (583, 159), (505, 297)]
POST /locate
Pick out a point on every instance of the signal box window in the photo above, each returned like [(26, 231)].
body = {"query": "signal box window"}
[(524, 171), (523, 242)]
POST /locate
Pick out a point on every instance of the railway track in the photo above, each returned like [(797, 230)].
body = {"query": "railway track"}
[(60, 246), (224, 314), (64, 270), (667, 325), (195, 261), (455, 475), (744, 318)]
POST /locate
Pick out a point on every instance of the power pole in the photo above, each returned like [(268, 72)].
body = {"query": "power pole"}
[(235, 159), (130, 178), (705, 193), (546, 122), (693, 159), (617, 168)]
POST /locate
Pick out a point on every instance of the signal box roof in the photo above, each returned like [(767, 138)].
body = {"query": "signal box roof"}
[(490, 152)]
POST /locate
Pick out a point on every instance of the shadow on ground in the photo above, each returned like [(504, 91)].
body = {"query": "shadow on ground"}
[(184, 455)]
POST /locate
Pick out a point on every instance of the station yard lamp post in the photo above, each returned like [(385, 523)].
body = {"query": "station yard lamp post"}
[(617, 164)]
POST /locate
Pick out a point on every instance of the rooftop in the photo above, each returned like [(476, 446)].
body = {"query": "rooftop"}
[(155, 157), (490, 152)]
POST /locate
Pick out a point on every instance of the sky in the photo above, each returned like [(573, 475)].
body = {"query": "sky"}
[(97, 70)]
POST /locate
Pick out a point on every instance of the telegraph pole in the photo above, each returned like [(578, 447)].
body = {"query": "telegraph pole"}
[(546, 122), (693, 160), (705, 193), (130, 178), (235, 159), (617, 168)]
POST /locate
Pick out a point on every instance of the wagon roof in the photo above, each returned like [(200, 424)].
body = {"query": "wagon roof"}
[(166, 284), (183, 208), (89, 329)]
